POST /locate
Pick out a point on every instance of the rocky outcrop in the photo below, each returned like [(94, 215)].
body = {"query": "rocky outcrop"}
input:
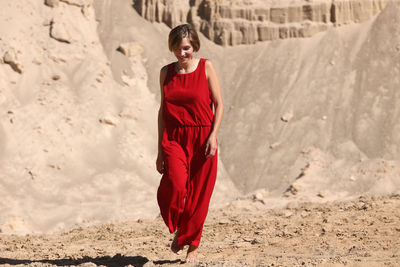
[(79, 3), (229, 22)]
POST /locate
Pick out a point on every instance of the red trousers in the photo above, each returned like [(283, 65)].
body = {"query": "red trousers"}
[(187, 183)]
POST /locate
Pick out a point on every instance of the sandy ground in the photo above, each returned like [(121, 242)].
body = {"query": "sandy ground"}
[(362, 232)]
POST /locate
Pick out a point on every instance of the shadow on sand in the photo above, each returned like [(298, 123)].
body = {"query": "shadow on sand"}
[(116, 261)]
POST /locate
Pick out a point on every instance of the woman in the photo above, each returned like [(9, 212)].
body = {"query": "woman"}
[(187, 143)]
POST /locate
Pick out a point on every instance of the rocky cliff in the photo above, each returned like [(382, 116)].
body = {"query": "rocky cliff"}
[(229, 22)]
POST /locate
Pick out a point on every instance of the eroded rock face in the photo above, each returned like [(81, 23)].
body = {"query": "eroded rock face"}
[(229, 22)]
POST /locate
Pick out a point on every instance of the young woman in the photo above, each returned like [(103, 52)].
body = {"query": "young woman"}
[(187, 143)]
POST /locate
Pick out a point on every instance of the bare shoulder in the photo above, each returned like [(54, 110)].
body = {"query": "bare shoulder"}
[(210, 69), (163, 70), (209, 64), (163, 74)]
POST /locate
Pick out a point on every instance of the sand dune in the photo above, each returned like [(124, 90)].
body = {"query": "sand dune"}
[(78, 132)]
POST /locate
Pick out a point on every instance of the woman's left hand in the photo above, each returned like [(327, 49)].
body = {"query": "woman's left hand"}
[(211, 146)]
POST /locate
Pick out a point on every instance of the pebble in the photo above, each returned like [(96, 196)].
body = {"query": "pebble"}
[(287, 116), (52, 3)]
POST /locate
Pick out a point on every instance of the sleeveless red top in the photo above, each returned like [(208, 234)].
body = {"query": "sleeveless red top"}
[(187, 98)]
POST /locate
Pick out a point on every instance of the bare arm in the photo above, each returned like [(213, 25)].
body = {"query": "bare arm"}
[(161, 126), (215, 88)]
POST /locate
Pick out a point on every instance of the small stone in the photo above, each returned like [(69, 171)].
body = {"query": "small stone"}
[(37, 62), (287, 116), (248, 239), (10, 57), (56, 77), (398, 48), (130, 49), (52, 3), (287, 213), (223, 221), (332, 62), (256, 241), (274, 145), (291, 190), (304, 214), (109, 120), (258, 197), (324, 117), (59, 32)]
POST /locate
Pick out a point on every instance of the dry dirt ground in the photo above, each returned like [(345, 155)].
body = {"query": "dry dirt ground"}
[(362, 232)]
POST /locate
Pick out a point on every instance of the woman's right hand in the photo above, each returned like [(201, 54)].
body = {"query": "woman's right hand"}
[(160, 163)]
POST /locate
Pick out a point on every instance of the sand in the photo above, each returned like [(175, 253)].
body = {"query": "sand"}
[(362, 232)]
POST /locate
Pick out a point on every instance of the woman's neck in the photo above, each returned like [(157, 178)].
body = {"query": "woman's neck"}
[(187, 66)]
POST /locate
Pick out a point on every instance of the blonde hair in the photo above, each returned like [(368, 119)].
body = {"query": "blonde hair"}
[(182, 31)]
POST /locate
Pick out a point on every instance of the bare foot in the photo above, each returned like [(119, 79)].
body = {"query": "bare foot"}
[(174, 245), (191, 255)]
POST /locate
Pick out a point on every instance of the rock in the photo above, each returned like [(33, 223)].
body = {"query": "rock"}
[(304, 214), (52, 3), (56, 77), (223, 221), (59, 32), (130, 49), (287, 116), (258, 197), (79, 3), (109, 120), (291, 191), (287, 213), (274, 145), (10, 57), (246, 22)]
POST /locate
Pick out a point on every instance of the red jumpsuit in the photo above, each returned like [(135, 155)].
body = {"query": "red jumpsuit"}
[(189, 177)]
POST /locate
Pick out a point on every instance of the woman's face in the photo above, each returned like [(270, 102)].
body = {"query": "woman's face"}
[(184, 51)]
